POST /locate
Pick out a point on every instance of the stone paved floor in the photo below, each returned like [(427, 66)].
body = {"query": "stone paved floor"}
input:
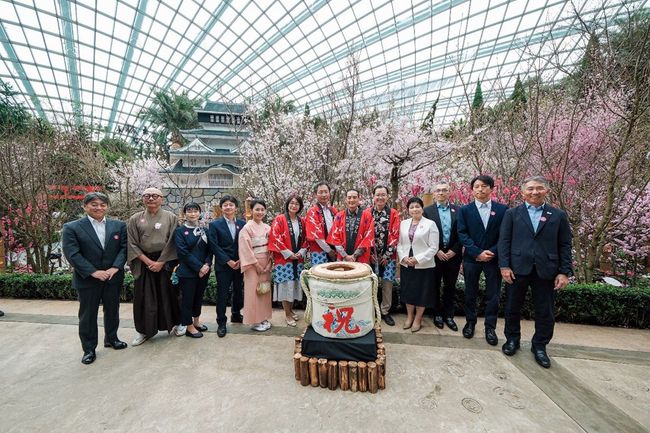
[(436, 381)]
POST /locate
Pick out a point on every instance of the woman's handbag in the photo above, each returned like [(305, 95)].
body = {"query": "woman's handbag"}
[(263, 287), (174, 277)]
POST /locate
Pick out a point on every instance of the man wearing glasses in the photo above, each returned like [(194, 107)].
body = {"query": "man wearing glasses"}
[(151, 246), (448, 257)]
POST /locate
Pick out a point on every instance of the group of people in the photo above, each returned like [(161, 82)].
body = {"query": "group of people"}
[(529, 245), (525, 246)]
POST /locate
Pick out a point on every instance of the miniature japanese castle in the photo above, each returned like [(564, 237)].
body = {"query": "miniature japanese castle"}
[(209, 163)]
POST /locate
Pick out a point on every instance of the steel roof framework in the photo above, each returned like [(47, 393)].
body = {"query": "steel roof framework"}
[(100, 61)]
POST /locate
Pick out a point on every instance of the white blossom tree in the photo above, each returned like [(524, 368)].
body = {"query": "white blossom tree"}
[(283, 156), (395, 153)]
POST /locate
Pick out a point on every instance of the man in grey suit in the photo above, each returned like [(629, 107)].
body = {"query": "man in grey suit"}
[(95, 246), (534, 251)]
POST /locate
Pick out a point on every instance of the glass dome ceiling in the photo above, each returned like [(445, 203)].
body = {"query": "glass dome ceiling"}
[(99, 61)]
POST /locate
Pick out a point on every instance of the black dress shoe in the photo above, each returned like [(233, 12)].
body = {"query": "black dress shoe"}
[(491, 337), (510, 347), (388, 319), (115, 344), (541, 357), (2, 313), (202, 328), (437, 320), (449, 321), (89, 357), (236, 318), (197, 334), (221, 331), (468, 330)]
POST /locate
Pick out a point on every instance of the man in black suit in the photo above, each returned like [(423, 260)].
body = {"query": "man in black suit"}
[(448, 257), (535, 251), (223, 237), (95, 246), (478, 230)]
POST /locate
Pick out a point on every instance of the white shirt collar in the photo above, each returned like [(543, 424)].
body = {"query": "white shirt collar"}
[(93, 220), (488, 203)]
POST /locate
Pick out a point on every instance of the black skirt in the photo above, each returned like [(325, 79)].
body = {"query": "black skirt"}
[(416, 286)]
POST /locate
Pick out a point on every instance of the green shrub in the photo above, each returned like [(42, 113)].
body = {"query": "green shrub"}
[(590, 304), (43, 286), (593, 304), (601, 304)]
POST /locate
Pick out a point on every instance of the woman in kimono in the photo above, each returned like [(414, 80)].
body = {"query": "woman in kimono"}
[(255, 261), (289, 246), (193, 271)]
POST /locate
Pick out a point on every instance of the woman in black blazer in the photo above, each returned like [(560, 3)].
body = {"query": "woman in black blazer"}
[(193, 271), (416, 251)]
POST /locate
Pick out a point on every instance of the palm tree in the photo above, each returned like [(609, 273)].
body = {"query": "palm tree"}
[(171, 112)]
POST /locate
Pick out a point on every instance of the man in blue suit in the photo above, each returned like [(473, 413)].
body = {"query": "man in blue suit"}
[(448, 257), (478, 231), (223, 237), (95, 246), (535, 251)]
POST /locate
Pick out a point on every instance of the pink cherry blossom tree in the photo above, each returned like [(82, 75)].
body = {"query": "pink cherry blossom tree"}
[(283, 156), (128, 179)]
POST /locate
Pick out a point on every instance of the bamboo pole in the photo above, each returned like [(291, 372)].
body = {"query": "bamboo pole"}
[(344, 381), (332, 375), (313, 371), (352, 373), (381, 374), (322, 372), (363, 377), (304, 371), (296, 365), (372, 377)]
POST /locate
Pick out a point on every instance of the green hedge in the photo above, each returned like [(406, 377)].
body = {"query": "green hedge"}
[(42, 286), (593, 304), (590, 304)]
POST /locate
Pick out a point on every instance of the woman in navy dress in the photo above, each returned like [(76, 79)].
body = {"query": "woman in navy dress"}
[(193, 271)]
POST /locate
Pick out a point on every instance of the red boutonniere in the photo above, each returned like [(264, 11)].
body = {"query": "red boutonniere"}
[(543, 219), (116, 237), (493, 213), (186, 233)]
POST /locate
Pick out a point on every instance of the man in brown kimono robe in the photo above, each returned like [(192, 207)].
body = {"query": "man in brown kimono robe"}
[(150, 248)]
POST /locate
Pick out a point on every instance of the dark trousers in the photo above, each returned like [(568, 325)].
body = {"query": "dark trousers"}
[(89, 300), (472, 274), (192, 290), (445, 278), (226, 278), (543, 298)]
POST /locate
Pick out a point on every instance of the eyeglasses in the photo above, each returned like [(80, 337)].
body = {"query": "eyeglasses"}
[(442, 190), (148, 196)]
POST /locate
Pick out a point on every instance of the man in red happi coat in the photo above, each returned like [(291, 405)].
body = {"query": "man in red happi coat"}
[(318, 224), (384, 252), (353, 231)]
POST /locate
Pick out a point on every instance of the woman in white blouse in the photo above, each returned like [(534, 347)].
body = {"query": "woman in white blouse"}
[(418, 245)]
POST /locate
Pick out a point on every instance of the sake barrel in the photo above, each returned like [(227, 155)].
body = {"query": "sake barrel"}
[(341, 299)]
